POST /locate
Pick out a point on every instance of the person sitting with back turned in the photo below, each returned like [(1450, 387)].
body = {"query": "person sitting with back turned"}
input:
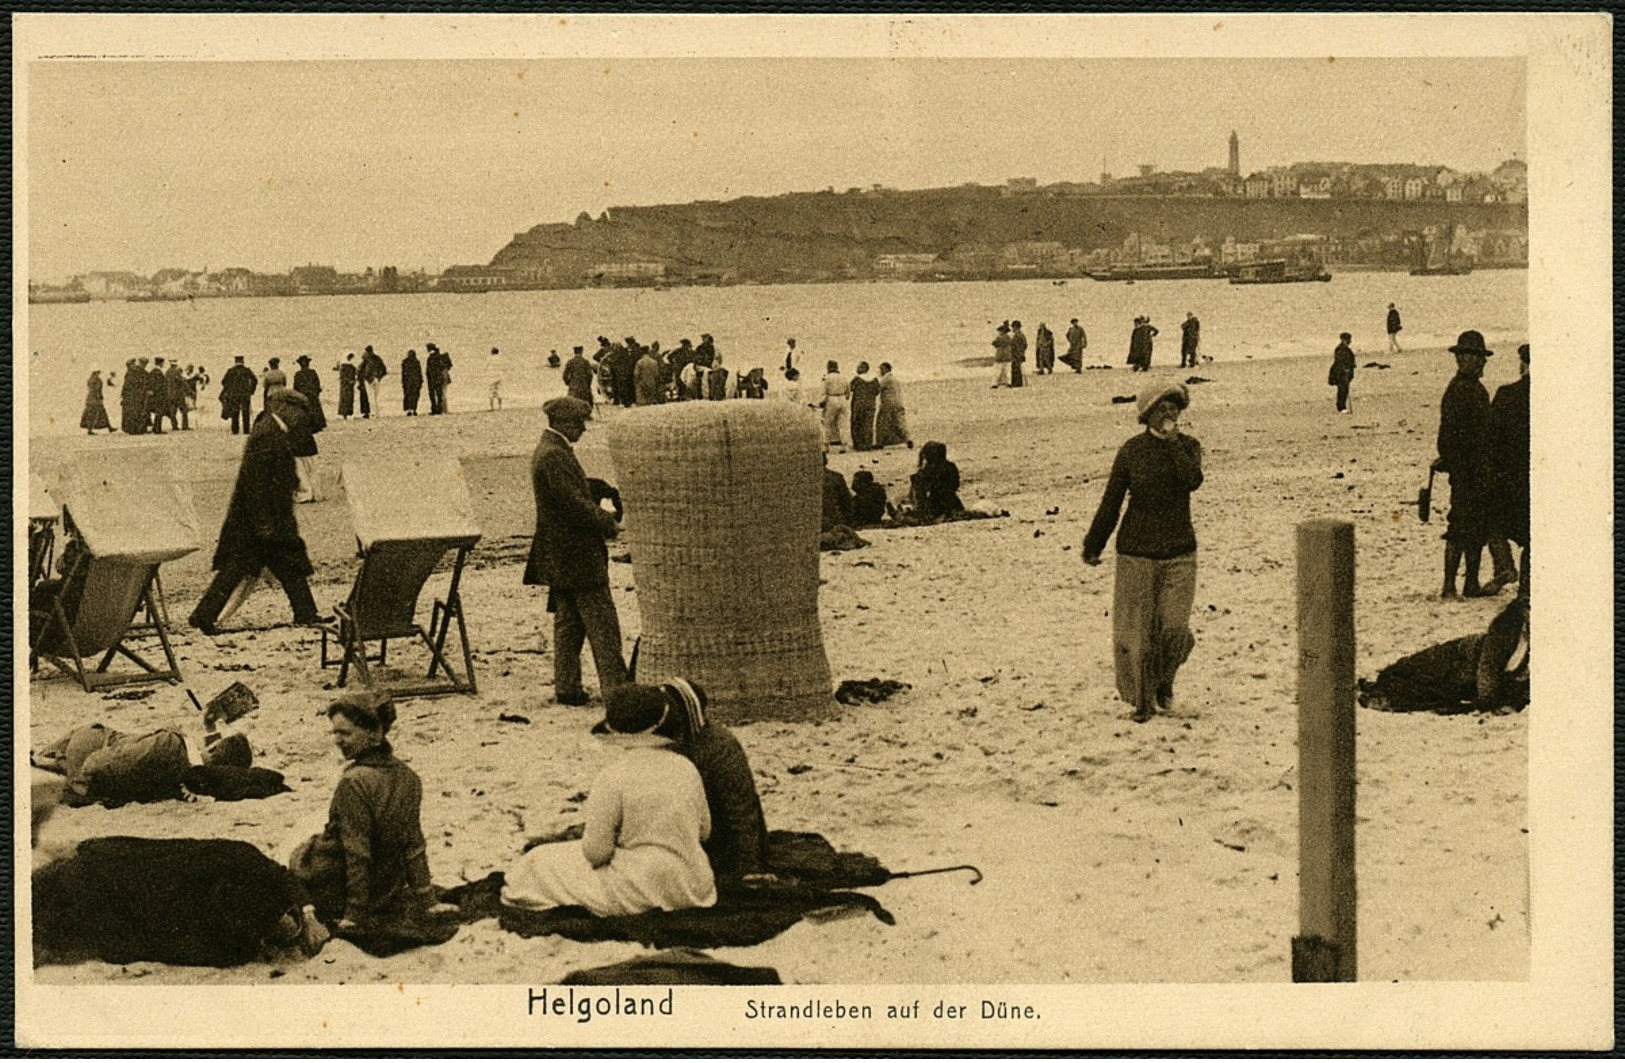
[(837, 510), (934, 487), (868, 500), (647, 819)]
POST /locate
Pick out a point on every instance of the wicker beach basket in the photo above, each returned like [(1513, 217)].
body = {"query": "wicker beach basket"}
[(723, 501)]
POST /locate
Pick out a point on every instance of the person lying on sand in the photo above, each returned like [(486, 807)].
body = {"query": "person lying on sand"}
[(1487, 672), (369, 865), (646, 821)]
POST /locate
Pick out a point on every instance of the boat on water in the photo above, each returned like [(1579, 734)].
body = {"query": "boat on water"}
[(1192, 271), (1279, 271), (1438, 255)]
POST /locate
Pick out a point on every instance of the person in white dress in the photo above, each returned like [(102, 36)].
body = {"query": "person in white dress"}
[(646, 820)]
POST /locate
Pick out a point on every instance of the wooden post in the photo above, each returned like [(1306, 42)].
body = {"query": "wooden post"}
[(1325, 949)]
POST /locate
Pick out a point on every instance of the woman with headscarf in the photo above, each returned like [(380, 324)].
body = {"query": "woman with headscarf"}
[(1156, 550), (95, 415), (370, 864), (737, 847), (646, 821)]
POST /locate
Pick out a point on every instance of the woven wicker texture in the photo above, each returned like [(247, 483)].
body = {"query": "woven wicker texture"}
[(723, 501)]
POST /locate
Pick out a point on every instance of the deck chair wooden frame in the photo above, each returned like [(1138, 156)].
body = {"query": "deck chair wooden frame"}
[(115, 592), (383, 605)]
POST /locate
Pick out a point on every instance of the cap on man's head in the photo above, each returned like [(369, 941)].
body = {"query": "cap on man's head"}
[(566, 410), (578, 348), (238, 359), (289, 396)]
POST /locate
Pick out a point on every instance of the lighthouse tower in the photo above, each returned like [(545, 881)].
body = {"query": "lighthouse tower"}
[(1235, 154)]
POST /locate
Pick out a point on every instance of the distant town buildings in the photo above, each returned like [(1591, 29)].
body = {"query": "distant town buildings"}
[(604, 252)]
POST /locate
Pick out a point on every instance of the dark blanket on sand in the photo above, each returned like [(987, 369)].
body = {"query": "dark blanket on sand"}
[(813, 878), (202, 902), (673, 967)]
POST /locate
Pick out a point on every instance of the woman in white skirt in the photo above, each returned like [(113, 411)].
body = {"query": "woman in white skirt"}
[(646, 818)]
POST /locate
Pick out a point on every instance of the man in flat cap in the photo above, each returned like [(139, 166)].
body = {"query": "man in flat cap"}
[(260, 530), (569, 556)]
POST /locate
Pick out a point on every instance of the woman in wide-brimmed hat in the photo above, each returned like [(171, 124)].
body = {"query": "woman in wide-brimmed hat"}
[(1156, 550), (646, 820)]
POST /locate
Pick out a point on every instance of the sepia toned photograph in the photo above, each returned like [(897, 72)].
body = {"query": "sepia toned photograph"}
[(797, 532)]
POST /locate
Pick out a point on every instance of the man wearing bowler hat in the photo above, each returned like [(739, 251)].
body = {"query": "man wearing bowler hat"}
[(1464, 415), (569, 556), (260, 530)]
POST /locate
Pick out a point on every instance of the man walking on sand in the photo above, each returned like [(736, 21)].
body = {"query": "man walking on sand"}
[(1190, 340), (260, 530), (1001, 357), (1076, 341), (569, 557), (1393, 329)]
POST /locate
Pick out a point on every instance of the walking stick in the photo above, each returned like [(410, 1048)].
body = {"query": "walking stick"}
[(972, 868)]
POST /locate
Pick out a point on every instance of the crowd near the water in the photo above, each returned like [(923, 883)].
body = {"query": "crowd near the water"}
[(676, 822)]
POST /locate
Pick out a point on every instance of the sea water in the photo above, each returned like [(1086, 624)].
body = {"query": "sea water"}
[(927, 331)]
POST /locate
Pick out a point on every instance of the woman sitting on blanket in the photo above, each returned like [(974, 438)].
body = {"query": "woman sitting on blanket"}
[(934, 487), (369, 866), (646, 822)]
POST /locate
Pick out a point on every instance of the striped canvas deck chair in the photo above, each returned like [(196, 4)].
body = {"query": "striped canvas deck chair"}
[(43, 516), (409, 514), (127, 514)]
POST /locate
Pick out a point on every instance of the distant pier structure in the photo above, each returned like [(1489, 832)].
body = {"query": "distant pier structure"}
[(1235, 154)]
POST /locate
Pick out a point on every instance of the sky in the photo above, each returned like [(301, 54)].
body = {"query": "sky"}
[(142, 165)]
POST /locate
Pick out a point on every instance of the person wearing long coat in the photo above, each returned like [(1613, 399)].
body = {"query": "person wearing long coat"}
[(133, 400), (236, 395), (95, 415), (646, 384), (347, 381), (1044, 350), (1508, 461), (1018, 355), (865, 392), (157, 392), (569, 556), (578, 378), (1341, 375), (411, 383), (1156, 470), (308, 384), (1464, 414), (891, 417), (260, 530)]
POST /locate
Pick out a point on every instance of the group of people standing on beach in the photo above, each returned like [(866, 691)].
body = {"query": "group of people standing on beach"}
[(147, 399)]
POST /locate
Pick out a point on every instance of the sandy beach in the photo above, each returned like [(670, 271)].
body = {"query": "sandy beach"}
[(1113, 852)]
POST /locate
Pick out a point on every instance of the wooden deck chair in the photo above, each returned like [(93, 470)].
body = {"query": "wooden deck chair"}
[(129, 515), (408, 514)]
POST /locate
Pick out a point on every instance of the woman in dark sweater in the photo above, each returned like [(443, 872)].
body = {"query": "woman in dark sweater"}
[(1156, 550), (370, 864), (737, 847)]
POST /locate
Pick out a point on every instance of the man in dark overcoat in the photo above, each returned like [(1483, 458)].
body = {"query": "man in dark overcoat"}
[(175, 397), (236, 395), (132, 399), (411, 383), (578, 378), (260, 530), (1508, 446), (569, 557), (157, 397), (1464, 415)]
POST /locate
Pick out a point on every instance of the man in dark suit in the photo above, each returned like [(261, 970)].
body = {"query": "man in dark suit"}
[(569, 556), (1508, 445), (260, 530), (236, 395)]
